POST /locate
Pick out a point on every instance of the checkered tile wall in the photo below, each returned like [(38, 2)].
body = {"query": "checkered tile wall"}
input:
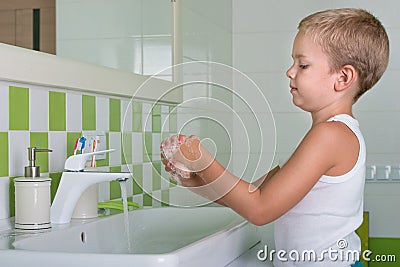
[(53, 118)]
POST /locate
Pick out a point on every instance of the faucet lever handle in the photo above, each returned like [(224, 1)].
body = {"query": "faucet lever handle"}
[(78, 162)]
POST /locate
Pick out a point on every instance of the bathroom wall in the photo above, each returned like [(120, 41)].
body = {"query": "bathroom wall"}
[(263, 32), (53, 118)]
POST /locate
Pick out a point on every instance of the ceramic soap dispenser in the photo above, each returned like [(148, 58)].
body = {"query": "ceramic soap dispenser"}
[(32, 196)]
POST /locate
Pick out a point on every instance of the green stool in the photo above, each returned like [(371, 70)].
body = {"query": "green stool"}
[(363, 233)]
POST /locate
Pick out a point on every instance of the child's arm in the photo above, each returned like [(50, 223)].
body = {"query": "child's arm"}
[(328, 148)]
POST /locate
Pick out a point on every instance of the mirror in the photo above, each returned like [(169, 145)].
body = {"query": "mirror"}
[(137, 36), (129, 35)]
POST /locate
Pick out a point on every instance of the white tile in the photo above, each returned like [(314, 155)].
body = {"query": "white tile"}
[(147, 122), (156, 195), (290, 129), (165, 177), (146, 117), (381, 131), (138, 199), (146, 108), (137, 150), (383, 96), (74, 112), (4, 197), (39, 109), (394, 39), (387, 13), (18, 143), (250, 16), (147, 177), (156, 141), (4, 106), (254, 132), (164, 122), (270, 91), (115, 143), (263, 52), (126, 115), (164, 109), (102, 113), (104, 191), (57, 142)]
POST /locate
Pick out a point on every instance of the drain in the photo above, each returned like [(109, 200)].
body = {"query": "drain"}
[(83, 237)]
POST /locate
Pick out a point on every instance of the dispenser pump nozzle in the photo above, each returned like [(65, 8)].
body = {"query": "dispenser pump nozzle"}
[(32, 170)]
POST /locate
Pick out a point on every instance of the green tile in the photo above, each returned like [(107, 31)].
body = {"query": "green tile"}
[(57, 111), (137, 179), (115, 188), (88, 113), (55, 182), (137, 107), (18, 100), (3, 154), (126, 151), (71, 140), (137, 117), (173, 120), (156, 118), (115, 115), (147, 146), (156, 110), (40, 140), (105, 162), (156, 123), (363, 232), (156, 176), (147, 200), (165, 198)]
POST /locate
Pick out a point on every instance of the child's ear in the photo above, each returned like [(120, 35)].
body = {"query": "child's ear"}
[(346, 76)]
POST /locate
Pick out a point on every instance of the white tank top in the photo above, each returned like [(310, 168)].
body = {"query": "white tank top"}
[(326, 218)]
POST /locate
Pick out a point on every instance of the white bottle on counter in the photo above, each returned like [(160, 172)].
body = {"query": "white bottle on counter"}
[(32, 196)]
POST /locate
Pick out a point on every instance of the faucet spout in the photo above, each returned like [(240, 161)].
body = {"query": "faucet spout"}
[(71, 187)]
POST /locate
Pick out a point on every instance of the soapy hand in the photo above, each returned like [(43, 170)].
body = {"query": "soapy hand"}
[(184, 156), (169, 147)]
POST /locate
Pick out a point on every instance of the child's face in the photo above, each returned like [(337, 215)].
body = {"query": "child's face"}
[(311, 78)]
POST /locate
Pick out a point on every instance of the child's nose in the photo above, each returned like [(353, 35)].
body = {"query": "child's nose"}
[(290, 73)]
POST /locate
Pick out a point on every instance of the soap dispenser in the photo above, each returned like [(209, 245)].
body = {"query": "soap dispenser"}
[(32, 196)]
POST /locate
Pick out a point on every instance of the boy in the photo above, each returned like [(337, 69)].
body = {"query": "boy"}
[(316, 197)]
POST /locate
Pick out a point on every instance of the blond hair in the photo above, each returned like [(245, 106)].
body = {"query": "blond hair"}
[(354, 37)]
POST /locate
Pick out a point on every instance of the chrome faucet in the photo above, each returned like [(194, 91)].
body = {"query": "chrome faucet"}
[(74, 181)]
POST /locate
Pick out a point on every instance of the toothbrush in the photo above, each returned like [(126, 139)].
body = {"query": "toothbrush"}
[(82, 141), (94, 147), (76, 145)]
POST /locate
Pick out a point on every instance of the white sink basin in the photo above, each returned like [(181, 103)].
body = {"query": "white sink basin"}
[(207, 236)]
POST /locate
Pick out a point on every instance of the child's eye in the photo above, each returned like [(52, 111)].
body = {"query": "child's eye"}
[(303, 66)]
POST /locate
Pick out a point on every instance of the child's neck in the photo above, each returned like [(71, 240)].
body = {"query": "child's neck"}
[(319, 117)]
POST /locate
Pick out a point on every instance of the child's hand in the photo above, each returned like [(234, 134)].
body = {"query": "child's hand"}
[(169, 147), (184, 155)]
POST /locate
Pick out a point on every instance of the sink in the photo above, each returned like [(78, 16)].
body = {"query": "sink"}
[(168, 236)]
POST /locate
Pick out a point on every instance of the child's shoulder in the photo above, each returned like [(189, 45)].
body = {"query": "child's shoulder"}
[(332, 134), (335, 143)]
